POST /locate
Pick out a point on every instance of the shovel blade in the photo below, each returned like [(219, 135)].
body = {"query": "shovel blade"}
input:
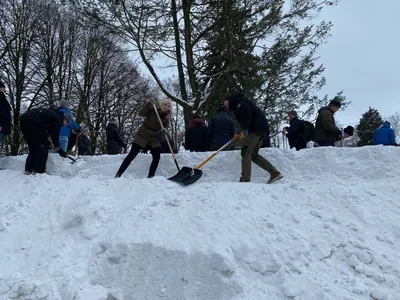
[(186, 176)]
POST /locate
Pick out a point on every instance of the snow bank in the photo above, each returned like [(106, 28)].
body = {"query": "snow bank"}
[(328, 230)]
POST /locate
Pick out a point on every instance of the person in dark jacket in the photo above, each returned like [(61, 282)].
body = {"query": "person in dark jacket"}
[(5, 114), (148, 135), (294, 132), (221, 129), (37, 125), (84, 143), (164, 145), (326, 132), (114, 140), (196, 135), (385, 135), (254, 128)]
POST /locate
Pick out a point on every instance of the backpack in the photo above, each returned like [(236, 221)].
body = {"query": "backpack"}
[(309, 129)]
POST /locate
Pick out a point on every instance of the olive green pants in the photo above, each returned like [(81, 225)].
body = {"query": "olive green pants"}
[(249, 153)]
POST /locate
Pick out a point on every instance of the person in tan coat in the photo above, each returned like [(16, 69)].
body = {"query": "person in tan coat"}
[(148, 135)]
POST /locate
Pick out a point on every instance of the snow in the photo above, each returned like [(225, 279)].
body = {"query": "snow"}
[(328, 230)]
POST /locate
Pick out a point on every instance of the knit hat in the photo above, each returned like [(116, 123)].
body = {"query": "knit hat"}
[(84, 130), (349, 130), (335, 102), (68, 117), (2, 85), (292, 112), (65, 104)]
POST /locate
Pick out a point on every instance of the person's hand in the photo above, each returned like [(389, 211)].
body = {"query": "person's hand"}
[(339, 135), (62, 153), (164, 131)]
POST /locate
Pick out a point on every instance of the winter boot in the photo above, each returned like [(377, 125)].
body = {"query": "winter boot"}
[(117, 175), (27, 173), (243, 180), (274, 177)]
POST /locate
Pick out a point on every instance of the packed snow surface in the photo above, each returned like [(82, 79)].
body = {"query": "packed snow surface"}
[(330, 229)]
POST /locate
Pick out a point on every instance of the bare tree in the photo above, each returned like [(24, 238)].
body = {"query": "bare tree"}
[(395, 123)]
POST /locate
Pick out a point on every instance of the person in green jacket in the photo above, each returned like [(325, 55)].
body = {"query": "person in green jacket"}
[(326, 132)]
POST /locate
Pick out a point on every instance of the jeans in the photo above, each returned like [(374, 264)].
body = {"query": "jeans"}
[(64, 143)]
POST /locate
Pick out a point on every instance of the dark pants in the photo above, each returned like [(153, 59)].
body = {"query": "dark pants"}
[(155, 152), (326, 144), (249, 153), (36, 137)]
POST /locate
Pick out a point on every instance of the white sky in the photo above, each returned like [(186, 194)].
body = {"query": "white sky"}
[(362, 56)]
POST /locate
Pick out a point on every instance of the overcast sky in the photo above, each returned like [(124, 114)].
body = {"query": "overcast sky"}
[(362, 57)]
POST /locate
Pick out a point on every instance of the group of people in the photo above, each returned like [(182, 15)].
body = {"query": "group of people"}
[(253, 131), (55, 128)]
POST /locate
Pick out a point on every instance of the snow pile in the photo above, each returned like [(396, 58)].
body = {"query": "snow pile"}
[(328, 230)]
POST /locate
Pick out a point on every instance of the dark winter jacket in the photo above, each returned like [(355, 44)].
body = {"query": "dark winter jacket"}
[(196, 136), (50, 119), (266, 142), (164, 145), (114, 140), (385, 136), (294, 134), (249, 116), (83, 145), (148, 133), (5, 115), (325, 128), (220, 130)]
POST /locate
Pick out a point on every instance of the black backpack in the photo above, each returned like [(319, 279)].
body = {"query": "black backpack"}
[(309, 129)]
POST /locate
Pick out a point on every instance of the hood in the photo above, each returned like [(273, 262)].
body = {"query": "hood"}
[(197, 123), (386, 125), (234, 98)]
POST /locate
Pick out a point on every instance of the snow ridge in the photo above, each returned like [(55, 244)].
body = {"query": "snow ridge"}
[(328, 230)]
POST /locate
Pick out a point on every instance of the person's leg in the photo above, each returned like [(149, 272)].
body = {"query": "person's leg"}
[(155, 153), (246, 152), (1, 139), (135, 149), (64, 143), (261, 161), (27, 130), (41, 150)]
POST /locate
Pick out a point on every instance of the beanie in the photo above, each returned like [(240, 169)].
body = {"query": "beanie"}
[(65, 104), (2, 85), (335, 102), (349, 130), (292, 112)]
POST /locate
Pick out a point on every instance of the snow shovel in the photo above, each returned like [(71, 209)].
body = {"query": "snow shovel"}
[(52, 146), (166, 138), (187, 175)]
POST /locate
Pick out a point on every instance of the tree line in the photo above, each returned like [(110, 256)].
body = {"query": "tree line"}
[(88, 52)]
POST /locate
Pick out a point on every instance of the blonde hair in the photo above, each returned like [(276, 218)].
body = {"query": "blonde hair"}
[(161, 106)]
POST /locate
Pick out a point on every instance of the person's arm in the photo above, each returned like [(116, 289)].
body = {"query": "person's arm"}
[(328, 122), (146, 109), (243, 115)]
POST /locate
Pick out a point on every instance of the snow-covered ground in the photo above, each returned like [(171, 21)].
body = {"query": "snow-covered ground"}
[(330, 229)]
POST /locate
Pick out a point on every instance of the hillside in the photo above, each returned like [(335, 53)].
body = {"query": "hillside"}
[(329, 230)]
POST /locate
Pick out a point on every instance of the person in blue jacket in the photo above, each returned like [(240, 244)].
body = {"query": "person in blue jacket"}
[(385, 135), (220, 130), (65, 131)]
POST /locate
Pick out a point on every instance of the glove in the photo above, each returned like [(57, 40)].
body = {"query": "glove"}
[(164, 131), (338, 135), (61, 152), (241, 134)]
